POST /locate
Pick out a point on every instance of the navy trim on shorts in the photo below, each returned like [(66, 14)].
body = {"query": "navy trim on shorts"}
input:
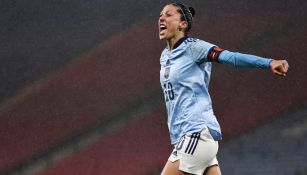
[(190, 149)]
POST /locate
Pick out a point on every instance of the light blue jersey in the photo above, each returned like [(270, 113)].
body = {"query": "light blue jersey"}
[(184, 77)]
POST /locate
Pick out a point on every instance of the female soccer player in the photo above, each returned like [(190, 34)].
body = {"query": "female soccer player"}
[(184, 76)]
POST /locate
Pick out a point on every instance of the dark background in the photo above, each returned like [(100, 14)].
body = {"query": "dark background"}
[(80, 90)]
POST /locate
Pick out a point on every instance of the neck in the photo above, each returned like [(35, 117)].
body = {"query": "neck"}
[(172, 41)]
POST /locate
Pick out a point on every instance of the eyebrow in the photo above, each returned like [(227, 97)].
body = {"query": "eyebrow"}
[(165, 11)]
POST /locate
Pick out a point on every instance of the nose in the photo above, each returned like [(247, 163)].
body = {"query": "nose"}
[(161, 19)]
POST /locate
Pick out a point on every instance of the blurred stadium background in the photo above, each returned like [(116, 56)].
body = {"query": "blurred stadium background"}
[(80, 89)]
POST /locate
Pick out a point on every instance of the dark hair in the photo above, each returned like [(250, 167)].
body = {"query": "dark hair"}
[(187, 14)]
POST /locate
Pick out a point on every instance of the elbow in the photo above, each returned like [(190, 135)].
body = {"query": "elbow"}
[(229, 58)]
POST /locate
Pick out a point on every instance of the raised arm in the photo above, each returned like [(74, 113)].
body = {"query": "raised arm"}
[(279, 67), (236, 59)]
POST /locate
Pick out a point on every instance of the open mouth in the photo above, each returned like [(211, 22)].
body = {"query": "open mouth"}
[(162, 29)]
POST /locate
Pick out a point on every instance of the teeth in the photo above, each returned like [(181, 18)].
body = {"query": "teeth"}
[(162, 29), (162, 26)]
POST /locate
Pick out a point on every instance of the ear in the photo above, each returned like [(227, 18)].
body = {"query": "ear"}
[(183, 25)]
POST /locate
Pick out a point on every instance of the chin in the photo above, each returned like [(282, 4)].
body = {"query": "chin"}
[(162, 37)]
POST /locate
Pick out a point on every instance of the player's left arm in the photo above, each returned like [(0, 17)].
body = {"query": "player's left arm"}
[(279, 67), (236, 59)]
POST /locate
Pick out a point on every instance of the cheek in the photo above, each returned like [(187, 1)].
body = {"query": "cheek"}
[(173, 25)]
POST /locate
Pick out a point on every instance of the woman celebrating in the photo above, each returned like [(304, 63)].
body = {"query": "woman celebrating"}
[(184, 76)]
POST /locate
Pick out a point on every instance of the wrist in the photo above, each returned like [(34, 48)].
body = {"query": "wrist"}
[(270, 63)]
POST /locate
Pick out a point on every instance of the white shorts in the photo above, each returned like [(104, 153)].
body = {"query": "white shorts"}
[(195, 152)]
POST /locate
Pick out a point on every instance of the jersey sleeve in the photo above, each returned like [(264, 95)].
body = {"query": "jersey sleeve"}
[(237, 59), (207, 52), (200, 50)]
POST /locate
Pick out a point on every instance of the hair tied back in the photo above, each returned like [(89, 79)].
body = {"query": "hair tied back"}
[(192, 11)]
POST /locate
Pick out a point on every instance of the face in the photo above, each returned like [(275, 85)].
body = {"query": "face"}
[(170, 24)]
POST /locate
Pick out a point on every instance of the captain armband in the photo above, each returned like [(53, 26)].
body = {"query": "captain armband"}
[(214, 54)]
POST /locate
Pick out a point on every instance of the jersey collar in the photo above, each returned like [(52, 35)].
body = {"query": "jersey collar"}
[(179, 42)]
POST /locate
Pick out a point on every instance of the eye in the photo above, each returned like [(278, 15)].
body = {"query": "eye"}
[(169, 14)]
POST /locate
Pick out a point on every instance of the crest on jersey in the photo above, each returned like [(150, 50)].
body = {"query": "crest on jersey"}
[(168, 63), (166, 72)]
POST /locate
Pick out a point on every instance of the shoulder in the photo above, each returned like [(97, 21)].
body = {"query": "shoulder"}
[(201, 44), (198, 46)]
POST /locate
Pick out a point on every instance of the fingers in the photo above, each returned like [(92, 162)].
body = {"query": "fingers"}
[(280, 67), (280, 73), (285, 65)]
